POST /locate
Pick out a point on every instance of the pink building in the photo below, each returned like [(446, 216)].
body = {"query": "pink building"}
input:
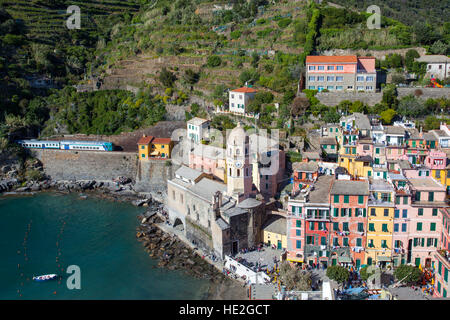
[(364, 147), (208, 159), (394, 152), (436, 160), (425, 223), (295, 230), (337, 73), (402, 211)]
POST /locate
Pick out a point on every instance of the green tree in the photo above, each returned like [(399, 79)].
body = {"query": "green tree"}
[(387, 116), (191, 77), (249, 75), (214, 61), (364, 274), (167, 78), (431, 123), (390, 96), (338, 273), (295, 278), (407, 274), (410, 55)]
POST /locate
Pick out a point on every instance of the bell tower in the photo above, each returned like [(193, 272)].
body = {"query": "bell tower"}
[(239, 168)]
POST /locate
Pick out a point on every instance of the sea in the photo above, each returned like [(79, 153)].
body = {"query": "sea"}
[(91, 243)]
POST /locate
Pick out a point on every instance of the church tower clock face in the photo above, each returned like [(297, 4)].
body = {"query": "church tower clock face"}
[(238, 164)]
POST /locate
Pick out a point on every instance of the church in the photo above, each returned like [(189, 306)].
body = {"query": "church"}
[(219, 217)]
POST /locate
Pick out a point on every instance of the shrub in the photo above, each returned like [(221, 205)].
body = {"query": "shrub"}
[(338, 273), (214, 61), (235, 34), (284, 23), (407, 274)]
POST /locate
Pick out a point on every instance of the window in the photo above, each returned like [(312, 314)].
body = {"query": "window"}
[(417, 195), (309, 239), (358, 242), (435, 211), (330, 68), (432, 226), (359, 88), (419, 226), (360, 227), (386, 212), (299, 223), (371, 227), (298, 232), (420, 212), (384, 244), (395, 227), (384, 227), (397, 200), (330, 87), (321, 68), (335, 226), (360, 199), (312, 78), (336, 242), (312, 68), (340, 68), (311, 87), (346, 199), (339, 79), (345, 242), (396, 213), (345, 226), (320, 78), (359, 79), (336, 198), (323, 241), (430, 196), (336, 212), (372, 212), (311, 225), (405, 200), (371, 245), (403, 227), (330, 78), (369, 78), (369, 87), (299, 244)]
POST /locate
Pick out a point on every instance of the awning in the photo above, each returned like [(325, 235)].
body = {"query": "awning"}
[(345, 259), (384, 258), (295, 259), (154, 153)]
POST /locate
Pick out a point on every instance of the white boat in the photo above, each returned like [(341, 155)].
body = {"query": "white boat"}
[(45, 277)]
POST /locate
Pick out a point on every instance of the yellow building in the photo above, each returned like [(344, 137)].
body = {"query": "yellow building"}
[(443, 176), (361, 167), (380, 222), (274, 232), (151, 147)]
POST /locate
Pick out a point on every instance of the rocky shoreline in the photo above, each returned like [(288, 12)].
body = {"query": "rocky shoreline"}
[(174, 254)]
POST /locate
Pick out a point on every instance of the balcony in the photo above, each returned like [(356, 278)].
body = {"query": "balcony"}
[(445, 254)]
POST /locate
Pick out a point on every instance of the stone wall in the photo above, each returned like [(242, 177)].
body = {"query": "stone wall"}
[(87, 165), (379, 54), (334, 98), (426, 92), (153, 175), (372, 98)]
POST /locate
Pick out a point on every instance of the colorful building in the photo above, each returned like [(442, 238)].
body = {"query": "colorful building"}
[(317, 222), (380, 220), (339, 73), (240, 98), (442, 256), (349, 201), (402, 211), (151, 147), (197, 129), (295, 229), (305, 173), (428, 196), (274, 232)]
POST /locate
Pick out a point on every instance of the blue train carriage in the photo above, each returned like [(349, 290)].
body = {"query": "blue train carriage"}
[(39, 144), (87, 145)]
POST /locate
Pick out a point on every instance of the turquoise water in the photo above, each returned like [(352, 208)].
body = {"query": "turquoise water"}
[(46, 233)]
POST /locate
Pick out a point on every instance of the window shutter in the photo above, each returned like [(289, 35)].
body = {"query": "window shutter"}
[(364, 212), (350, 212)]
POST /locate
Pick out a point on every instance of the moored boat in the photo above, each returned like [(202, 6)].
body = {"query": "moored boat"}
[(45, 277)]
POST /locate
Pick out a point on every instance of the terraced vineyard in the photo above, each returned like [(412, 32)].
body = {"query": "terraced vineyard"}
[(47, 23)]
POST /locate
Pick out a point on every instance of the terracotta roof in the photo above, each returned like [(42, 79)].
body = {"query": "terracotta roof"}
[(145, 139), (331, 59), (244, 90), (162, 141)]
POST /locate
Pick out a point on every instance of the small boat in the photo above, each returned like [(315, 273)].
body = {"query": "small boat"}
[(45, 277)]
